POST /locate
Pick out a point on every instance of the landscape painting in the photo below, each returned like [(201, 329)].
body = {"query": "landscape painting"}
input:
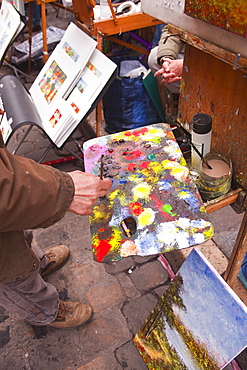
[(199, 323)]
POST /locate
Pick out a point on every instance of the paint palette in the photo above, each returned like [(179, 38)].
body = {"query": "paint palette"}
[(153, 205)]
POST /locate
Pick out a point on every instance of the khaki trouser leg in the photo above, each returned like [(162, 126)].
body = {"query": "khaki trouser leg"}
[(32, 299)]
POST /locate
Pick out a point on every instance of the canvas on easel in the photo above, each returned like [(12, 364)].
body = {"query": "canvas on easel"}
[(153, 205), (199, 322)]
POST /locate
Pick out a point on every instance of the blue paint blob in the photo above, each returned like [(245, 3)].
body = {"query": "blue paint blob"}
[(123, 181), (165, 185)]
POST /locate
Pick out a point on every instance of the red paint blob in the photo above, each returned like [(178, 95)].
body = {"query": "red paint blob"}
[(102, 249)]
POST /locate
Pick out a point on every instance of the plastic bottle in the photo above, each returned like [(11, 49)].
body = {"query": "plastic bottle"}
[(105, 11), (201, 137)]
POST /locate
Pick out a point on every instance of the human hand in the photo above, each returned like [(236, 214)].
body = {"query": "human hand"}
[(171, 70), (88, 188)]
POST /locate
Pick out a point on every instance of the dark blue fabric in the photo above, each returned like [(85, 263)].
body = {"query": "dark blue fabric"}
[(127, 105)]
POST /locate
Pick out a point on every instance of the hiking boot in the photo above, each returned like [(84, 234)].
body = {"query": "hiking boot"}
[(71, 314), (56, 258)]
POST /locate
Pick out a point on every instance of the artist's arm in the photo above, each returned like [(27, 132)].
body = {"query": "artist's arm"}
[(34, 195), (168, 50), (169, 46)]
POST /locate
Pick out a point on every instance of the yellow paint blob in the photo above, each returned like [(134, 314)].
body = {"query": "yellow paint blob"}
[(182, 162), (114, 194), (179, 172), (154, 135), (141, 190), (135, 178), (203, 209), (152, 180), (156, 167), (146, 218), (209, 232), (100, 213), (115, 239), (183, 195)]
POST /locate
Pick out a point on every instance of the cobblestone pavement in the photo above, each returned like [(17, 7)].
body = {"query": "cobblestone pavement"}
[(122, 294)]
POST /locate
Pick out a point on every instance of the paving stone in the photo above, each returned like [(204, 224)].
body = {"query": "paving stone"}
[(105, 295), (149, 275), (161, 289), (84, 275), (50, 353), (129, 357), (128, 286), (27, 148), (136, 311), (119, 266), (139, 260), (105, 362), (102, 333)]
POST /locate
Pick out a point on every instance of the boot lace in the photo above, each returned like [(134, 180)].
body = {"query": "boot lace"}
[(65, 309)]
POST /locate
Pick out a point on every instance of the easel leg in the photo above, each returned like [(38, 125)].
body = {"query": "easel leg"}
[(238, 253), (43, 20), (99, 106), (30, 25)]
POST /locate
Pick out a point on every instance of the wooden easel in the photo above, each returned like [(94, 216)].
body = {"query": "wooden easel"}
[(216, 79), (106, 28)]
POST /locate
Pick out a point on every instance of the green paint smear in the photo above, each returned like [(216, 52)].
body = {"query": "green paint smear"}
[(168, 209)]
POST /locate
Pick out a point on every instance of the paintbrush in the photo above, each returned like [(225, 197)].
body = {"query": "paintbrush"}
[(101, 166), (180, 129)]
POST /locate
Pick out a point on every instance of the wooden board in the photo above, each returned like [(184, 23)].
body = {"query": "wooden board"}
[(214, 87)]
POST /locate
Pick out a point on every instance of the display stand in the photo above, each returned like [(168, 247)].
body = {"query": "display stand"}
[(26, 117)]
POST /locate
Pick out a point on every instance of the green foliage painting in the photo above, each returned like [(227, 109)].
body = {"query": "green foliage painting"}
[(190, 327)]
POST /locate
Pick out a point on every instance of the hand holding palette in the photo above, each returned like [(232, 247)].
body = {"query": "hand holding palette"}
[(153, 205)]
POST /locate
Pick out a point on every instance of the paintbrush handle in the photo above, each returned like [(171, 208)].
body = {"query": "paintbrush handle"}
[(101, 166), (179, 127)]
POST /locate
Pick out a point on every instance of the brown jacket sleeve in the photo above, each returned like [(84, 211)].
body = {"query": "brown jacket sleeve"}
[(32, 195), (169, 46)]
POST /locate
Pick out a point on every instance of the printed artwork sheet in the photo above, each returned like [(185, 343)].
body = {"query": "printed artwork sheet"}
[(10, 25), (199, 322), (57, 120), (62, 68), (153, 205), (93, 78), (5, 127)]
